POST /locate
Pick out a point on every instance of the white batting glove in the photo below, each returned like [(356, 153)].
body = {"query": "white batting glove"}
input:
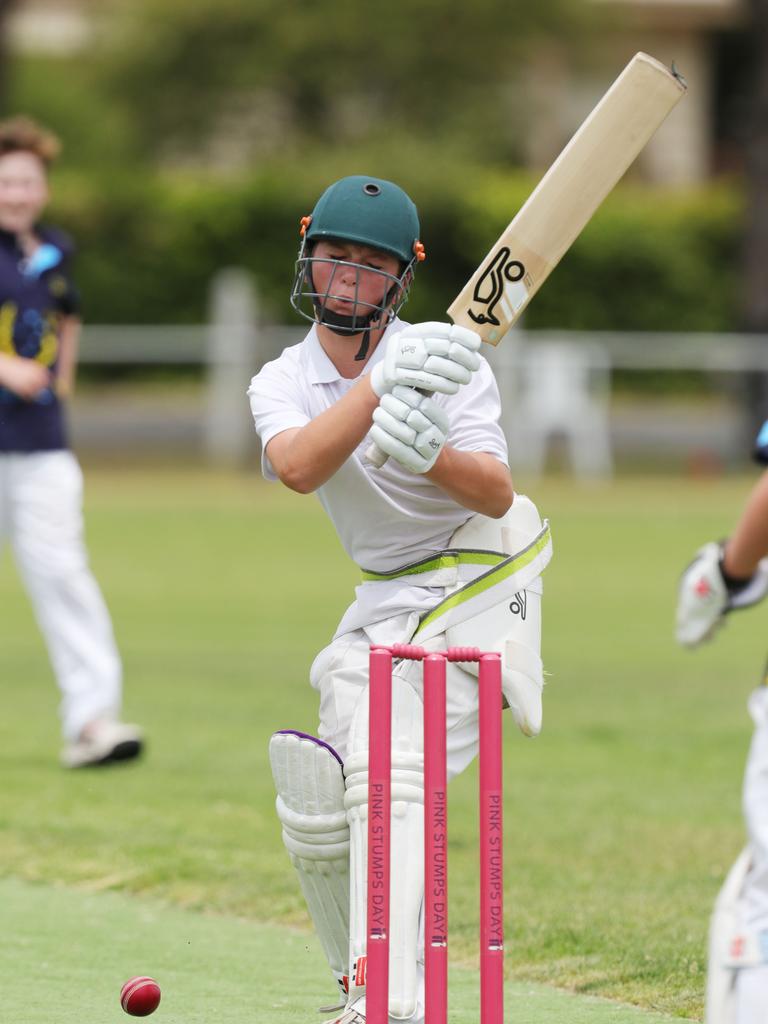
[(431, 356), (704, 598), (411, 428)]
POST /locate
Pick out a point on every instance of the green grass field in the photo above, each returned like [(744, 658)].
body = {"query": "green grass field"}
[(621, 818)]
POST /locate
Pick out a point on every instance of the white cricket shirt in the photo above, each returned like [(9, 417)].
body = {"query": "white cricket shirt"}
[(386, 517)]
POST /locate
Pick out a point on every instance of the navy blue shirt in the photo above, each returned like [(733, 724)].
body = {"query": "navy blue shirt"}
[(34, 295)]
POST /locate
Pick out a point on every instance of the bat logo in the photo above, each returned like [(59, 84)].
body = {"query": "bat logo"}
[(519, 604), (491, 284)]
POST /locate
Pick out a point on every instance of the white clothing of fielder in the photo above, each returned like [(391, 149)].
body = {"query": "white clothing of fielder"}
[(737, 984), (386, 518), (41, 518)]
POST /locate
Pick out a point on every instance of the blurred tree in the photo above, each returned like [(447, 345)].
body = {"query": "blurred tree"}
[(277, 73), (5, 8), (755, 254)]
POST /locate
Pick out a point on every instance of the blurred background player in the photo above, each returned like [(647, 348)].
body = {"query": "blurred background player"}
[(722, 578), (422, 528), (40, 479)]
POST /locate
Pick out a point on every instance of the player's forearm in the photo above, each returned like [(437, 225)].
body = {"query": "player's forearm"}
[(475, 480), (749, 542), (315, 452)]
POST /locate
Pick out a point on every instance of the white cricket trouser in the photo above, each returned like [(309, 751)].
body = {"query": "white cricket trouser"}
[(755, 803), (752, 982), (340, 674), (41, 516), (752, 996)]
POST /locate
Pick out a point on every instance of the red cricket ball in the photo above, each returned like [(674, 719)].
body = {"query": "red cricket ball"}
[(140, 996)]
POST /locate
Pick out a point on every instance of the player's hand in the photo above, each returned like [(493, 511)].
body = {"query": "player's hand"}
[(704, 597), (411, 428), (431, 356), (24, 377)]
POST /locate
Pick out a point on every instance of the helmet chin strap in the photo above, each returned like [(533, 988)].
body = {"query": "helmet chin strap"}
[(350, 325)]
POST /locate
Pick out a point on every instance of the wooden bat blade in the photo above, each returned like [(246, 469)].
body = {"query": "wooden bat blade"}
[(566, 197)]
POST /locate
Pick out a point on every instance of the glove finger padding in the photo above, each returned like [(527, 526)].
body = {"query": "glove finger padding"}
[(411, 428), (448, 368), (432, 356), (394, 426), (442, 329), (418, 458), (403, 402), (426, 381), (468, 357)]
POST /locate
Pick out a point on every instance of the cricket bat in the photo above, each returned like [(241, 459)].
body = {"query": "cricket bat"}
[(562, 203)]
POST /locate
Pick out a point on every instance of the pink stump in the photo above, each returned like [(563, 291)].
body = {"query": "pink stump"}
[(435, 842), (379, 806), (491, 844)]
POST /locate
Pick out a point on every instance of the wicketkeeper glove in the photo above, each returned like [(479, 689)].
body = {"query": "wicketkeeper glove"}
[(431, 356), (706, 594), (411, 428)]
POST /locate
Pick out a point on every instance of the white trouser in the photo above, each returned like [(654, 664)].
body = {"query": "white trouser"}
[(752, 996), (737, 990), (340, 674), (41, 516), (755, 803), (752, 982)]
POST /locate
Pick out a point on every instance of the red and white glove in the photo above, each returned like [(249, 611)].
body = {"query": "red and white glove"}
[(411, 428), (705, 597), (431, 356)]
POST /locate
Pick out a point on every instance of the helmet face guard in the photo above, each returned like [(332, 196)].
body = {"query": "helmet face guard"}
[(366, 316)]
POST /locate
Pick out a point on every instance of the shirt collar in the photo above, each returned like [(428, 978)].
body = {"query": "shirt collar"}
[(320, 369)]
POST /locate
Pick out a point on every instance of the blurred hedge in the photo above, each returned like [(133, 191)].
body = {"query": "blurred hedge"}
[(148, 246)]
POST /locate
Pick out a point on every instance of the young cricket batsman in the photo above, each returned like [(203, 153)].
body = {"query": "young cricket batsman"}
[(40, 479), (724, 577), (420, 528)]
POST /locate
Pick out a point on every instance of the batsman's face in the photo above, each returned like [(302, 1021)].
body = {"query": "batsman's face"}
[(23, 191), (353, 277)]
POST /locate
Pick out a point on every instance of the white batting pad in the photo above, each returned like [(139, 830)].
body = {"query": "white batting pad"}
[(513, 625), (310, 805), (730, 947), (407, 846)]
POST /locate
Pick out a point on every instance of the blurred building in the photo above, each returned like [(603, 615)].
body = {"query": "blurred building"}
[(50, 27), (705, 38), (707, 41)]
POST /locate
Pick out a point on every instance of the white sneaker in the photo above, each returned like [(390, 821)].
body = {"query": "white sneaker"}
[(103, 742)]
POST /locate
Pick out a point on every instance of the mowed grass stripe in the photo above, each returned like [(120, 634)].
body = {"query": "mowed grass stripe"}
[(64, 956)]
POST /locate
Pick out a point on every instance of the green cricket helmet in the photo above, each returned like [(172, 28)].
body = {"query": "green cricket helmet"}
[(365, 211), (369, 211)]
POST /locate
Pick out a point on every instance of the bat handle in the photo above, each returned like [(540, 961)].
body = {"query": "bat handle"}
[(374, 456)]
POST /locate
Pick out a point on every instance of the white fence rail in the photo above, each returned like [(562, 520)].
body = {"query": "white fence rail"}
[(552, 382)]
